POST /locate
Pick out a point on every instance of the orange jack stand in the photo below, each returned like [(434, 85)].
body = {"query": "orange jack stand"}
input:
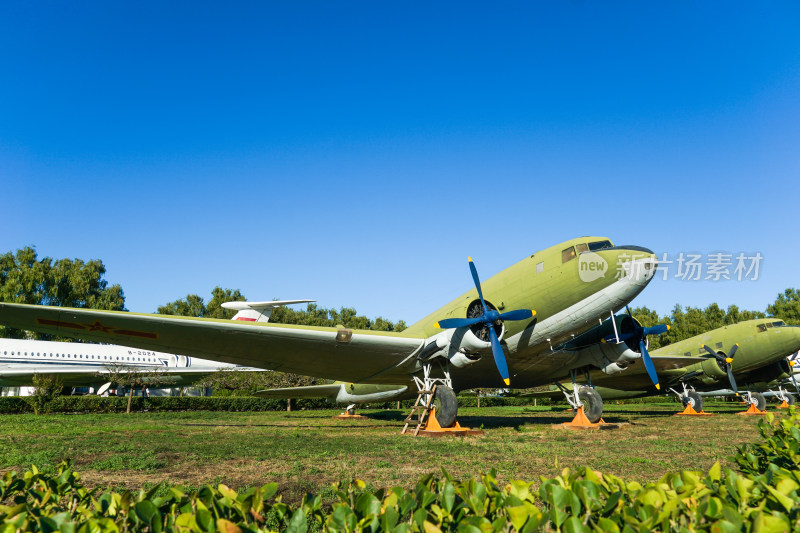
[(753, 411), (347, 416), (689, 411), (431, 428), (783, 405), (581, 422)]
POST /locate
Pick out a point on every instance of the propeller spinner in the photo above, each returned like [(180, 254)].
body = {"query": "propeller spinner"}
[(726, 363), (489, 318)]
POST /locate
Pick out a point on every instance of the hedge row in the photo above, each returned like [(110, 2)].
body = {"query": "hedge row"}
[(118, 404), (763, 497)]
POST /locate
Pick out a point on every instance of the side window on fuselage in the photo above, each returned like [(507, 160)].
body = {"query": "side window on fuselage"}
[(580, 248), (762, 327), (568, 254)]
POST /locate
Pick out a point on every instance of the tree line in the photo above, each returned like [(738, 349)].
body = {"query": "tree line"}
[(25, 278)]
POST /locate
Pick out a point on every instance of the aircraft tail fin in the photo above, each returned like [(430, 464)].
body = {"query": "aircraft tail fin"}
[(258, 311)]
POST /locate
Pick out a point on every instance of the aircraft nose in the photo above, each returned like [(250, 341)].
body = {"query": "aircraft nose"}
[(635, 264)]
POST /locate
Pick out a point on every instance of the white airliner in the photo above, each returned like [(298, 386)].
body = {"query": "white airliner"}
[(81, 364)]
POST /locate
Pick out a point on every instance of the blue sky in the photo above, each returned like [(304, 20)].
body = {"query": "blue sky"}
[(357, 153)]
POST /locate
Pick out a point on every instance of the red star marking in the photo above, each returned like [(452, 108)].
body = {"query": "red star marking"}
[(97, 326)]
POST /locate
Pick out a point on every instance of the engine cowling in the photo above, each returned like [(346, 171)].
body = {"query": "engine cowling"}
[(609, 358), (460, 346), (461, 359), (712, 372)]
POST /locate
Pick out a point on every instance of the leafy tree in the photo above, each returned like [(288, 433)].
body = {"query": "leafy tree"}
[(132, 377), (45, 389), (24, 278), (232, 382), (346, 316), (787, 307), (193, 305)]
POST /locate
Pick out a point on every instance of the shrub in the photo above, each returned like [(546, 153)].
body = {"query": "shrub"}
[(584, 500)]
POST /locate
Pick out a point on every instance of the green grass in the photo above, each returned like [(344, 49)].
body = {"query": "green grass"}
[(309, 450)]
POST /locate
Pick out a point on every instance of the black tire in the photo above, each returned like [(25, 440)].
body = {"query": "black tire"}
[(351, 411), (446, 405), (760, 401), (790, 399), (592, 404), (693, 399)]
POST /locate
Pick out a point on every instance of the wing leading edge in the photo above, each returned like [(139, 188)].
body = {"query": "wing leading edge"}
[(365, 356)]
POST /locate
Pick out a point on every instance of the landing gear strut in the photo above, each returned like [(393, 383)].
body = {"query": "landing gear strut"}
[(785, 398), (435, 411), (587, 404), (691, 400), (758, 404)]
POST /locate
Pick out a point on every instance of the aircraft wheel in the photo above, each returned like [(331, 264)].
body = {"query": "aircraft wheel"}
[(446, 405), (693, 399), (592, 404), (351, 411), (760, 401), (790, 399)]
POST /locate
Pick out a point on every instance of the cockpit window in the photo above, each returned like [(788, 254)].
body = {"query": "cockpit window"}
[(568, 254), (599, 245), (762, 327), (769, 324), (582, 248), (779, 324)]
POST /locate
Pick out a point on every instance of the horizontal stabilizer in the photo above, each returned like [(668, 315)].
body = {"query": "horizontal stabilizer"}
[(258, 311)]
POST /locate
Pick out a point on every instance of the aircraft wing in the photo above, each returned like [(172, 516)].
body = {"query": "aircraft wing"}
[(310, 391), (668, 367), (348, 355)]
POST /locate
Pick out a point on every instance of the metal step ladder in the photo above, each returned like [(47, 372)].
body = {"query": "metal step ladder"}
[(421, 409)]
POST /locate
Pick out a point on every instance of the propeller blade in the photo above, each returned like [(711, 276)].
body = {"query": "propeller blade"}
[(714, 354), (732, 352), (733, 381), (519, 314), (499, 357), (648, 364), (477, 281), (656, 330), (448, 323)]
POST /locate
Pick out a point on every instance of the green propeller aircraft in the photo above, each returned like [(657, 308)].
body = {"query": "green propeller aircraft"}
[(751, 355), (517, 328)]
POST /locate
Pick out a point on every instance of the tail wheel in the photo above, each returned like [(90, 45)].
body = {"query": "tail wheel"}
[(790, 399), (592, 404), (446, 405), (693, 399)]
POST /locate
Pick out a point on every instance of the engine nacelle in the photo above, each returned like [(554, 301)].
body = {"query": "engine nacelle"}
[(460, 346), (461, 359), (465, 341), (614, 368), (712, 372), (602, 354)]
